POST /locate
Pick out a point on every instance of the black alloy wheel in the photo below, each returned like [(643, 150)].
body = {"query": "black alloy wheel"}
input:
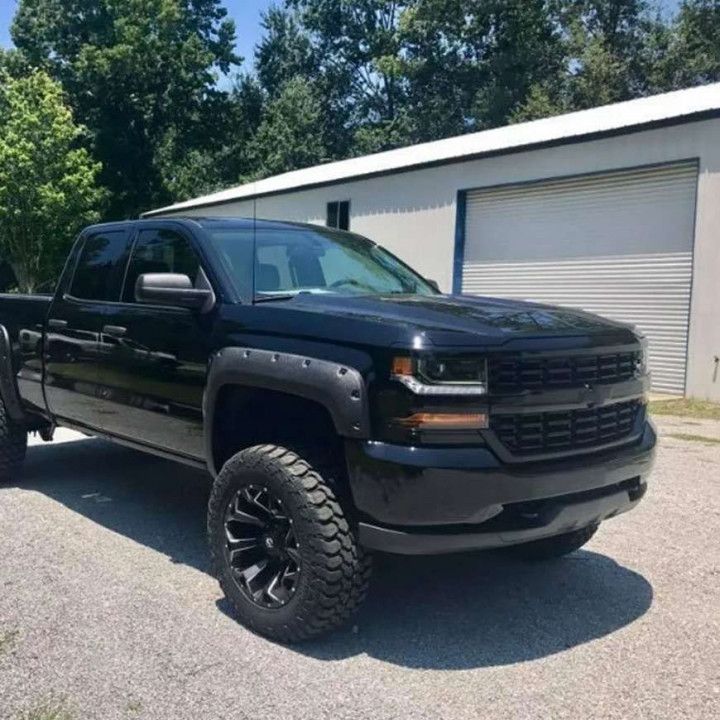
[(261, 547), (282, 547)]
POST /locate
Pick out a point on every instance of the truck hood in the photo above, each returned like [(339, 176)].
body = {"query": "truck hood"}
[(441, 320)]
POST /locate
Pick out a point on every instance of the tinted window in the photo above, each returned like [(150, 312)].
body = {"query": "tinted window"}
[(344, 215), (235, 248), (101, 266), (160, 251), (338, 215)]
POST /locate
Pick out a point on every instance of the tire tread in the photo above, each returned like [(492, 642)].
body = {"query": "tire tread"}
[(13, 446), (339, 567)]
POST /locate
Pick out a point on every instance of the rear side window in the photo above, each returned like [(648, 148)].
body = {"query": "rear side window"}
[(101, 267), (160, 251)]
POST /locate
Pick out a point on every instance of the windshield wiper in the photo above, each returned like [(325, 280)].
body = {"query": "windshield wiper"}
[(273, 298)]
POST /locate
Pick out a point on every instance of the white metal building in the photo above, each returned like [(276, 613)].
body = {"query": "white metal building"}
[(615, 210)]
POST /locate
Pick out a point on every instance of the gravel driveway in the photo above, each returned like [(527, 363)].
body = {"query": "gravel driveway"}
[(107, 610)]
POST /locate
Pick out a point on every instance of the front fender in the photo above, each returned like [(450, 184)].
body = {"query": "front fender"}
[(337, 387)]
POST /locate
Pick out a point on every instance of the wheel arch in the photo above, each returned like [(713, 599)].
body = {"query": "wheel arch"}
[(337, 388)]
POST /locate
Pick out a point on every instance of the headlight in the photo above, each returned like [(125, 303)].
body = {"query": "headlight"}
[(442, 375)]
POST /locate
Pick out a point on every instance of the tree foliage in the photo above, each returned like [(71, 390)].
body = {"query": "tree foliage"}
[(139, 74), (693, 56), (396, 72), (223, 150), (287, 138), (153, 79), (48, 187)]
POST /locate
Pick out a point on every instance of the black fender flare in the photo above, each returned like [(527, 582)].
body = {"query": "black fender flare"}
[(8, 385), (337, 387)]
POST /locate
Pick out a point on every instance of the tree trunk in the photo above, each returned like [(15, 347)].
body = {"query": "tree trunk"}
[(26, 282)]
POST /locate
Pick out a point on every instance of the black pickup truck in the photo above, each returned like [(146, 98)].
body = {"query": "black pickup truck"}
[(341, 404)]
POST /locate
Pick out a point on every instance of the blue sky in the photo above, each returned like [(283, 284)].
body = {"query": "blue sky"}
[(246, 14)]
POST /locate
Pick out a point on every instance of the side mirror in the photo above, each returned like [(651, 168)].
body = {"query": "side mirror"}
[(433, 284), (172, 289)]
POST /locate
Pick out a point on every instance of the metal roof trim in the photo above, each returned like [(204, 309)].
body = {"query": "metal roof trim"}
[(617, 118)]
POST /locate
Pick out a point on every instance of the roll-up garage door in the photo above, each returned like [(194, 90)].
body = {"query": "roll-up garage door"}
[(619, 244)]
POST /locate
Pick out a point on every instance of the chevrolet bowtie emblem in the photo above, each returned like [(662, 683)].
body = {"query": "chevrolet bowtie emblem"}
[(592, 396)]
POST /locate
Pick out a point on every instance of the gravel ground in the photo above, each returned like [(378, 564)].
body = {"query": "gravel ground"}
[(107, 610)]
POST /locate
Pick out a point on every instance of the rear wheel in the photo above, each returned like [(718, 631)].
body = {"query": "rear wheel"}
[(554, 547), (282, 548), (13, 444)]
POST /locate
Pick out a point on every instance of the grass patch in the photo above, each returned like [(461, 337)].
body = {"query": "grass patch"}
[(695, 438), (7, 640), (686, 407), (47, 710)]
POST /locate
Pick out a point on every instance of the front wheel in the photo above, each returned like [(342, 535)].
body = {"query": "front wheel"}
[(554, 547), (281, 546)]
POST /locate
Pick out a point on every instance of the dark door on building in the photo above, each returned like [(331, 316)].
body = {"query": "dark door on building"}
[(154, 358)]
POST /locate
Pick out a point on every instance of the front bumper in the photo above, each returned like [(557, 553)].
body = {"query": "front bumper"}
[(436, 500)]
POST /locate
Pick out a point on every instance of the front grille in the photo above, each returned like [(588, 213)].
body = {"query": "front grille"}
[(515, 373), (567, 430)]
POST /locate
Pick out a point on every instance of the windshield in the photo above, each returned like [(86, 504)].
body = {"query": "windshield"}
[(289, 261)]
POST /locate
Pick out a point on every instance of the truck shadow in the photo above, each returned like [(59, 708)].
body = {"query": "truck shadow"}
[(445, 612), (487, 610)]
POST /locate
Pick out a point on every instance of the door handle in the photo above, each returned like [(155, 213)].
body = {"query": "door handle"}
[(57, 324), (114, 330)]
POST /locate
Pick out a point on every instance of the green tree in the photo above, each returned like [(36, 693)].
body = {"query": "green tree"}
[(517, 44), (355, 46), (48, 187), (442, 73), (394, 72), (693, 54), (287, 138), (613, 50), (139, 74), (602, 77), (284, 52), (13, 63), (540, 103), (191, 167), (608, 50)]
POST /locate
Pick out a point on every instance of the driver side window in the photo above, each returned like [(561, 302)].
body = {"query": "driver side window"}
[(160, 251)]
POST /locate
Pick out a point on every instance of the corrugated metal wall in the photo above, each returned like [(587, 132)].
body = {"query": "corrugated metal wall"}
[(619, 244)]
